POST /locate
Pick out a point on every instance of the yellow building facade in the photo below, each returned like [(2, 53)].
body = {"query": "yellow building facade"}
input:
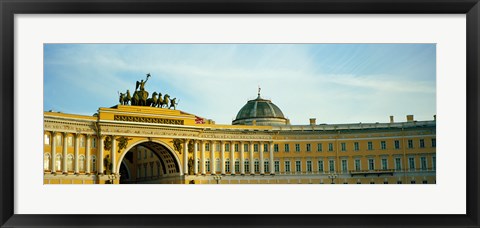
[(128, 144)]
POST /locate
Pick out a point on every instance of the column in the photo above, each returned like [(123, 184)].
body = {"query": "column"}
[(114, 155), (232, 159), (242, 159), (100, 155), (262, 164), (272, 162), (195, 158), (87, 152), (213, 162), (77, 144), (202, 162), (222, 157), (185, 157), (64, 167), (252, 162), (54, 152)]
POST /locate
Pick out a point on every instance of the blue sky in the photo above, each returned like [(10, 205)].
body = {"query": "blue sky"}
[(334, 83)]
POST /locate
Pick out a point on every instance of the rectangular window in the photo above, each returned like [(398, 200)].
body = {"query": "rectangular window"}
[(287, 147), (434, 163), (237, 147), (344, 146), (257, 166), (411, 163), (207, 146), (397, 144), (309, 166), (266, 167), (275, 147), (207, 165), (384, 164), (398, 164), (265, 147), (47, 140), (410, 144), (298, 166), (277, 166), (370, 146), (309, 148), (319, 147), (330, 147), (70, 141), (58, 140), (356, 146), (287, 166), (434, 143), (245, 147), (383, 145), (237, 166), (331, 164), (227, 147), (357, 165), (371, 164), (320, 166), (94, 142), (344, 166), (151, 154), (82, 141), (297, 147), (422, 143), (423, 163), (255, 147), (227, 166), (246, 166), (218, 146), (139, 155)]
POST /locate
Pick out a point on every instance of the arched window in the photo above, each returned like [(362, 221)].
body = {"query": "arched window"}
[(70, 162), (81, 163), (58, 162), (94, 163), (46, 161), (246, 166)]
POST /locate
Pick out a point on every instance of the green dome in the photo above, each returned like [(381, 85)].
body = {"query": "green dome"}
[(262, 111)]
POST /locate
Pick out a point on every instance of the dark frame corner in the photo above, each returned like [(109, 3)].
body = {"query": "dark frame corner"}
[(9, 8)]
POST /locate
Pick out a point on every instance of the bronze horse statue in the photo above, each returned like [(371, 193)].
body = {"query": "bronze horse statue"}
[(127, 98), (152, 101), (140, 98), (165, 101)]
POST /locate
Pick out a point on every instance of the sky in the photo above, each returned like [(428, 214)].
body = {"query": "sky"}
[(334, 83)]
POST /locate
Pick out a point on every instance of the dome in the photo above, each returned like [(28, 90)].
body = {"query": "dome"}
[(260, 112)]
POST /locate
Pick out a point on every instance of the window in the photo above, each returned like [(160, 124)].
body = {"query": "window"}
[(411, 163), (344, 166), (94, 163), (434, 163), (145, 170), (357, 165), (245, 147), (257, 166), (266, 167), (397, 144), (151, 154), (207, 146), (265, 147), (94, 142), (275, 147), (297, 147), (139, 172), (277, 166), (309, 166), (422, 143), (344, 146), (82, 141), (370, 146), (246, 166), (331, 165), (70, 163), (423, 163), (227, 147), (287, 166), (46, 162), (139, 155), (145, 154), (237, 147), (207, 166), (320, 166), (298, 166), (58, 140), (383, 145), (356, 146), (319, 147), (237, 166), (255, 147), (218, 146), (217, 165), (287, 147), (371, 164), (70, 141), (384, 164), (151, 168), (434, 143), (410, 144), (227, 166), (46, 139), (398, 164), (330, 147), (81, 163), (309, 147)]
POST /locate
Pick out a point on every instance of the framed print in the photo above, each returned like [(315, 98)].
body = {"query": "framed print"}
[(258, 113)]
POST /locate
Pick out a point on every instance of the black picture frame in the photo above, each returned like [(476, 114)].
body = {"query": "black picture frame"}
[(9, 8)]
